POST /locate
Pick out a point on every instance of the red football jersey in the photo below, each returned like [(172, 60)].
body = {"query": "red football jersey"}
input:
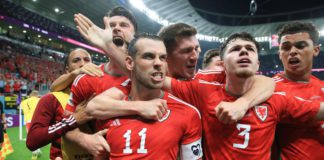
[(211, 75), (133, 137), (249, 138), (84, 86), (307, 141)]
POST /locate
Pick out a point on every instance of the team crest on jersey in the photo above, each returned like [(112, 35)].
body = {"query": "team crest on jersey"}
[(261, 112), (322, 89), (166, 116)]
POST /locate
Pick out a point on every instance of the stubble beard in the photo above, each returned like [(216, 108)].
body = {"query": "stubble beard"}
[(244, 73)]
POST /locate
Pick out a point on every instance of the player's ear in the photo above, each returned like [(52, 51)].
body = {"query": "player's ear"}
[(129, 63), (316, 50)]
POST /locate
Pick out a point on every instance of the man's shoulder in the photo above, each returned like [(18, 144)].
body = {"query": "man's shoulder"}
[(175, 103)]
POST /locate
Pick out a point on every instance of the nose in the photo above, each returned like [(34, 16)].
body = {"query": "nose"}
[(116, 28), (157, 63), (244, 52), (293, 51), (194, 55), (82, 62)]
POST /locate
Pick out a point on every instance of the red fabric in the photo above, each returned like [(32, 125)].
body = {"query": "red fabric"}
[(84, 86), (48, 125), (249, 138), (161, 139), (307, 141), (16, 86), (7, 88), (211, 76)]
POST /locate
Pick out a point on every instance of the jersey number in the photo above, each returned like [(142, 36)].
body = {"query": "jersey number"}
[(246, 133), (127, 136)]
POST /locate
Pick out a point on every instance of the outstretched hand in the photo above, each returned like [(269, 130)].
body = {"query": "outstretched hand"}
[(91, 32)]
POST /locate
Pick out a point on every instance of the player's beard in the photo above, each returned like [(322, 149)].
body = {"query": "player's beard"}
[(144, 81), (244, 73)]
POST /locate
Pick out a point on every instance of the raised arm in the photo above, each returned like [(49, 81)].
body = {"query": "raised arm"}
[(66, 80), (230, 112), (110, 104), (101, 38)]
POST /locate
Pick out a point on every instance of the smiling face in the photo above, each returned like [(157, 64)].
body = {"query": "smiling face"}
[(296, 52), (149, 65), (241, 58), (184, 57)]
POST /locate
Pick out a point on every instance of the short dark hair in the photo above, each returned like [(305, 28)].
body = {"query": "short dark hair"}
[(121, 11), (132, 50), (297, 27), (242, 35), (170, 33), (66, 58), (209, 55)]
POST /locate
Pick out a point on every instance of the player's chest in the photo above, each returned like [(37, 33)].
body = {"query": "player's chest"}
[(136, 136), (258, 120)]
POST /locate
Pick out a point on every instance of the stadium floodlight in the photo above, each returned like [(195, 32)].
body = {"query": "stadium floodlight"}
[(321, 32), (57, 10), (139, 4)]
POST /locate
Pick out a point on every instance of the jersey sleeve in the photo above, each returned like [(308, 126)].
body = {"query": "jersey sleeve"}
[(294, 109), (186, 90), (81, 89), (211, 75), (191, 143), (43, 130), (125, 86)]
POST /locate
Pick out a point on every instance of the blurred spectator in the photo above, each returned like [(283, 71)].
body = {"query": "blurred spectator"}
[(16, 87), (212, 60), (2, 83), (7, 87)]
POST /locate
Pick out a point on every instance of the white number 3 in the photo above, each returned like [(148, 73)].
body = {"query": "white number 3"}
[(246, 133)]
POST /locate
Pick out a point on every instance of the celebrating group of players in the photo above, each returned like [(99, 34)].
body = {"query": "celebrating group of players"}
[(148, 102)]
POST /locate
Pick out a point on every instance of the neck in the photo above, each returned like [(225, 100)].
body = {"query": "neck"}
[(142, 93), (301, 77), (236, 86), (112, 69)]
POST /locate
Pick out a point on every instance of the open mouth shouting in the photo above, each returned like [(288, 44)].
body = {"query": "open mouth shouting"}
[(157, 76), (293, 61), (118, 41)]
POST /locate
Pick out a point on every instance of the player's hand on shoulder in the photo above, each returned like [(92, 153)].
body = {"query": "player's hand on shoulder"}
[(97, 144), (230, 112), (153, 109), (91, 69)]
